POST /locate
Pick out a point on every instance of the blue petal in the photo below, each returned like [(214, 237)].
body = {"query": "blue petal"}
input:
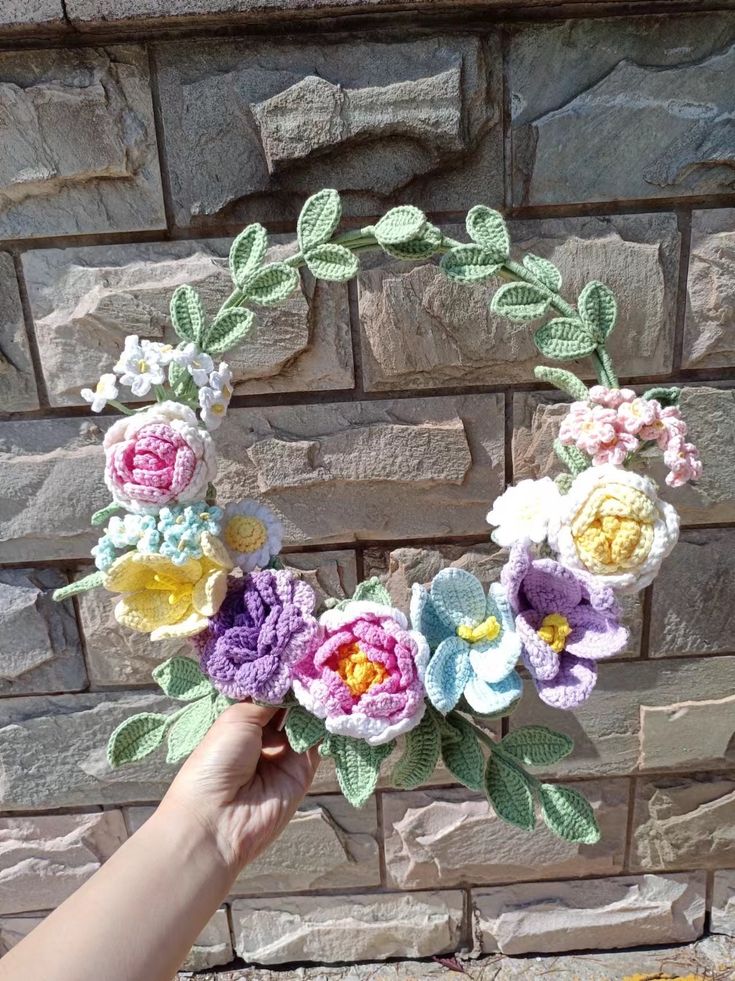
[(488, 699), (494, 664), (458, 597), (447, 673), (426, 620), (499, 599)]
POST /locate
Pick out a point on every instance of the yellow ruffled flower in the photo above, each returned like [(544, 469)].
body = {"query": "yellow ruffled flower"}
[(169, 600)]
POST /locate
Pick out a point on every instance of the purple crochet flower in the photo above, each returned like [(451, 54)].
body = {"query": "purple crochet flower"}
[(264, 624), (566, 621)]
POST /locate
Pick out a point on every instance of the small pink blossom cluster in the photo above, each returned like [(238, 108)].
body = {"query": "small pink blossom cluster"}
[(614, 423)]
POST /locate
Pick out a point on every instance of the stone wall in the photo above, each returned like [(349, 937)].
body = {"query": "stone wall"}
[(133, 145)]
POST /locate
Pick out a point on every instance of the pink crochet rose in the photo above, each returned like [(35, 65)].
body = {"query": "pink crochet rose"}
[(365, 676), (157, 457)]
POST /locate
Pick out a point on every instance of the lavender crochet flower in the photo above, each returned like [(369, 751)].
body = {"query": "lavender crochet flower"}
[(566, 621), (262, 627)]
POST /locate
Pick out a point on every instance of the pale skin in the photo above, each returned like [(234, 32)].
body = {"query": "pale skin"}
[(138, 916)]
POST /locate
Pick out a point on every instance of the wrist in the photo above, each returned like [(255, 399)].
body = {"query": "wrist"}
[(194, 842)]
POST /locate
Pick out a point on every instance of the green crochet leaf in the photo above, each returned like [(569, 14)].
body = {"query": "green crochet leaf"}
[(221, 704), (273, 284), (520, 301), (468, 264), (463, 756), (537, 745), (91, 581), (332, 262), (189, 729), (569, 814), (229, 329), (318, 219), (420, 755), (358, 766), (487, 227), (100, 517), (598, 309), (509, 791), (564, 482), (373, 591), (135, 738), (666, 396), (565, 381), (400, 224), (464, 706), (564, 339), (303, 729), (187, 315), (573, 459), (182, 678), (181, 382), (545, 272), (422, 247), (247, 253)]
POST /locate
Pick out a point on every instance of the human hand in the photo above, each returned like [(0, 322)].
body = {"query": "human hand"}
[(242, 784)]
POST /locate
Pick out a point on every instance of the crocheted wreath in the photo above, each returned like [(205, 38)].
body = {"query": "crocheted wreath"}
[(363, 679)]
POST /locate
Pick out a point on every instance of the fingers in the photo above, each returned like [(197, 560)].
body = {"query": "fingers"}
[(249, 713)]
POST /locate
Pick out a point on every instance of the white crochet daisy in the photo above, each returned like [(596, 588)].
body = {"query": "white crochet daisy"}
[(252, 533)]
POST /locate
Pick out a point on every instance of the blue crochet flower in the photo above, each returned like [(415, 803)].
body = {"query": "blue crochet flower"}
[(473, 640), (179, 532), (104, 553)]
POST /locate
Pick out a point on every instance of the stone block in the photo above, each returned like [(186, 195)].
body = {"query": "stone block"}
[(626, 911), (14, 928), (709, 328), (710, 415), (723, 903), (644, 716), (684, 822), (17, 382), (44, 859), (31, 16), (452, 838), (649, 115), (347, 928), (40, 646), (378, 121), (79, 146), (213, 946), (52, 752), (420, 330), (85, 301)]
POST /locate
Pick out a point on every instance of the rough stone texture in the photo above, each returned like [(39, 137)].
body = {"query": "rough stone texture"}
[(40, 649), (17, 383), (618, 730), (710, 415), (667, 85), (684, 822), (85, 301), (421, 330), (723, 903), (213, 946), (31, 15), (116, 656), (14, 928), (593, 914), (79, 148), (44, 859), (690, 612), (709, 328), (378, 121), (347, 928), (451, 838), (52, 752)]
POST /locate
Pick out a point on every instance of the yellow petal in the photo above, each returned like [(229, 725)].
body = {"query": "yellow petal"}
[(209, 593), (126, 574), (215, 551), (193, 624), (148, 609)]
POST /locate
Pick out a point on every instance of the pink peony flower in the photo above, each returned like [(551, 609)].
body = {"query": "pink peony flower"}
[(365, 676), (157, 457), (683, 461), (611, 398)]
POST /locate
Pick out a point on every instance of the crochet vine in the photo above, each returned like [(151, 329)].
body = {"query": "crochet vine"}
[(361, 678)]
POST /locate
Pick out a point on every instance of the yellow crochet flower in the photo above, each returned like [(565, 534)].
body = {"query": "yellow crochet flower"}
[(166, 599)]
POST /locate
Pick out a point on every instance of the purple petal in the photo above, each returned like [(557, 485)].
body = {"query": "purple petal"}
[(594, 635), (550, 588), (598, 595), (518, 564), (572, 685), (540, 659)]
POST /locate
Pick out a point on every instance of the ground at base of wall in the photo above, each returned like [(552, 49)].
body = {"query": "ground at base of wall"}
[(709, 959)]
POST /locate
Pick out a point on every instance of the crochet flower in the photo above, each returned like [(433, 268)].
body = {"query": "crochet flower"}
[(523, 512), (566, 623), (104, 553), (264, 624), (103, 392), (667, 424), (594, 429), (166, 599), (613, 525), (612, 398), (475, 647), (215, 396), (195, 361), (180, 530), (157, 457), (365, 676), (127, 531), (683, 461), (142, 364), (252, 533)]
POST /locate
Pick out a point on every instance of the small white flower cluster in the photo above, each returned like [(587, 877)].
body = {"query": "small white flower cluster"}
[(143, 364)]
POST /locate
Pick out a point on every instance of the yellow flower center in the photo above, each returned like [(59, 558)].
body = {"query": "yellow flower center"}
[(245, 534), (142, 366), (487, 630), (218, 409), (176, 589), (357, 671), (613, 530), (554, 631)]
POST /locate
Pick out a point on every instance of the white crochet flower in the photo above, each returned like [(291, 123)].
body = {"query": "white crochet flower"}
[(142, 364), (104, 390), (612, 525), (523, 512), (198, 364), (252, 533), (214, 398)]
